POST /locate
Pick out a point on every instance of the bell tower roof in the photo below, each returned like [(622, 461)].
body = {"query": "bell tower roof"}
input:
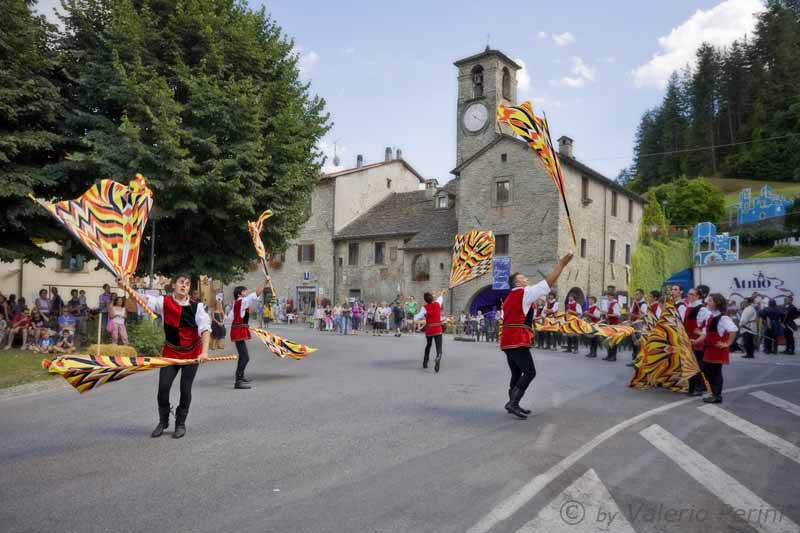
[(488, 53)]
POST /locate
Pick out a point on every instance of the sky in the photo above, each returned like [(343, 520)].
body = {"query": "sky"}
[(386, 69)]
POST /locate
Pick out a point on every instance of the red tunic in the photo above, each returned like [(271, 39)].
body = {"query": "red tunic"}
[(654, 308), (240, 329), (516, 332), (691, 322), (433, 319), (613, 320), (572, 307), (713, 353), (590, 312), (635, 310), (180, 330)]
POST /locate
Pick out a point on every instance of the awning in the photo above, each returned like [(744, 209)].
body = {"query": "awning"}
[(684, 278)]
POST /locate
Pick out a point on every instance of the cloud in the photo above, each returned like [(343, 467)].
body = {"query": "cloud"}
[(581, 74), (542, 35), (608, 59), (523, 77), (719, 26), (542, 101), (306, 60), (563, 39), (48, 9), (349, 51)]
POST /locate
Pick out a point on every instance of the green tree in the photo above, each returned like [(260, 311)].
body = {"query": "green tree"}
[(673, 130), (653, 223), (704, 100), (32, 141), (203, 97)]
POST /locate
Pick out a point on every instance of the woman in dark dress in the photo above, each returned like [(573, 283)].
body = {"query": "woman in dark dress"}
[(217, 326)]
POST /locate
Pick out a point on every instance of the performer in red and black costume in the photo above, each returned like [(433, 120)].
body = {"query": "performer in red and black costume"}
[(240, 330), (515, 340), (613, 317), (572, 307), (593, 315), (187, 329), (694, 320), (550, 310), (676, 292), (655, 304), (638, 306), (431, 313), (717, 337)]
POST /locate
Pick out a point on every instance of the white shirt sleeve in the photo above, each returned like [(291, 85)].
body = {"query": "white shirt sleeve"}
[(156, 304), (613, 310), (440, 300), (247, 301), (682, 312), (642, 309), (597, 313), (703, 315), (658, 312), (421, 314), (533, 293), (726, 325), (202, 319), (578, 309)]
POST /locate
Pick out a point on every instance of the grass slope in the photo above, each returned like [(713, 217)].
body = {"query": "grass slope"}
[(21, 366)]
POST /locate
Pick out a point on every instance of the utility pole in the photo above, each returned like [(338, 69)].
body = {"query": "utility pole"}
[(152, 251)]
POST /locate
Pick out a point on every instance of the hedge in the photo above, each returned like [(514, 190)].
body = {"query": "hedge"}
[(655, 261)]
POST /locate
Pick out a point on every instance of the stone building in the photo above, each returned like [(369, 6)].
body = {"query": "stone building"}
[(374, 234)]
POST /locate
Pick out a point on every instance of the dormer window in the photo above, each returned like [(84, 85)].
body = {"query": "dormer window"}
[(477, 81), (441, 202)]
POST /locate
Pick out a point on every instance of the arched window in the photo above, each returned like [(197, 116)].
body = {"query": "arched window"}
[(477, 81), (506, 84), (420, 268)]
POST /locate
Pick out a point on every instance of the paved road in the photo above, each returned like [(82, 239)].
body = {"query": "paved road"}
[(359, 438)]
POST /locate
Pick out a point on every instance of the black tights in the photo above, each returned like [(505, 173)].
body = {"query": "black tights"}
[(696, 381), (713, 373), (244, 358), (520, 361), (165, 378), (438, 340)]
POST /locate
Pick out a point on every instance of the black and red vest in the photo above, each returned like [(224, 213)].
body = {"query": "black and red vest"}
[(612, 319), (433, 319), (516, 325), (591, 311), (654, 308), (240, 329), (691, 322), (549, 308), (572, 307), (635, 310), (713, 353), (180, 330)]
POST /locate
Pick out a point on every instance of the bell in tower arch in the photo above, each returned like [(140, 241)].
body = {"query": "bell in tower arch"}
[(477, 81)]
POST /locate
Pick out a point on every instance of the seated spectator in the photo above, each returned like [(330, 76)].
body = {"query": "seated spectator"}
[(3, 330), (66, 320), (65, 343), (37, 326), (45, 343), (82, 300), (4, 310), (20, 325)]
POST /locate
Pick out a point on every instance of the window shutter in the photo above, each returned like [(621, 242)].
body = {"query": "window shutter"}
[(311, 246), (299, 253)]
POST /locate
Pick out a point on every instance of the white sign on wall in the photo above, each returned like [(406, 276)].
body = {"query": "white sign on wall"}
[(774, 279)]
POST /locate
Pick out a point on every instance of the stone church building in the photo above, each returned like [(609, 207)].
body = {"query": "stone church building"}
[(379, 230)]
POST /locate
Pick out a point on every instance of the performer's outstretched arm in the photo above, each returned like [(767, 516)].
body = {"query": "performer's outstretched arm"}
[(552, 277)]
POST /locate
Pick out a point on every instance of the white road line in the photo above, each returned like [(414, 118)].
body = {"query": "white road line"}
[(746, 505), (527, 492), (766, 438), (777, 402), (545, 437), (586, 506)]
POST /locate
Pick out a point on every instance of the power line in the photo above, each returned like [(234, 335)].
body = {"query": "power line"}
[(709, 147)]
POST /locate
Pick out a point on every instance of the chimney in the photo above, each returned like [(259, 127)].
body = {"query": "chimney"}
[(430, 187), (565, 146), (388, 154), (399, 154), (359, 161)]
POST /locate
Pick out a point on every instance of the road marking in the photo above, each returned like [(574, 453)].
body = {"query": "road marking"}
[(527, 492), (545, 437), (586, 506), (766, 438), (777, 402), (744, 503)]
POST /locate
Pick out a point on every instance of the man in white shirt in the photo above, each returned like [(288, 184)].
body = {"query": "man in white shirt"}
[(748, 325)]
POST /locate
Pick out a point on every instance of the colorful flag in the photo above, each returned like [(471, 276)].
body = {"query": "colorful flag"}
[(109, 219), (536, 132), (87, 372), (281, 347), (255, 229), (472, 256)]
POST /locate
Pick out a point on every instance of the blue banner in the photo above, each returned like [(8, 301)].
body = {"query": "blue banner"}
[(501, 270)]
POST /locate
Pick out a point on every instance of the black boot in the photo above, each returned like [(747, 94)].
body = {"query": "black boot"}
[(244, 380), (526, 411), (713, 399), (241, 383), (180, 422), (163, 422), (425, 361), (437, 363), (513, 404)]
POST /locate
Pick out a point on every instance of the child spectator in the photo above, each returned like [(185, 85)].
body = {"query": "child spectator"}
[(118, 329), (66, 320), (66, 343), (45, 343), (37, 326)]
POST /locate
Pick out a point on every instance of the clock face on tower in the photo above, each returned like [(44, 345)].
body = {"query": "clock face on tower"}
[(475, 117)]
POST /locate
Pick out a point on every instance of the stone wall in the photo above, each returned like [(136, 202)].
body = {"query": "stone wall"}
[(374, 282)]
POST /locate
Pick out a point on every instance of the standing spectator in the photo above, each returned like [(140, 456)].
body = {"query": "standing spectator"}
[(371, 318), (328, 318), (790, 317), (217, 326), (319, 318), (344, 324), (411, 309), (131, 310), (56, 303), (358, 312), (260, 312), (74, 303), (42, 304), (398, 316), (82, 298), (748, 327), (104, 305), (773, 320), (20, 325), (118, 329)]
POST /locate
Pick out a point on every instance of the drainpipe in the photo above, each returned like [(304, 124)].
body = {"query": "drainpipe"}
[(20, 278), (333, 233), (605, 235)]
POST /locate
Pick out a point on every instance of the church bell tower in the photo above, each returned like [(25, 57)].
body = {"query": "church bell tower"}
[(484, 80)]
